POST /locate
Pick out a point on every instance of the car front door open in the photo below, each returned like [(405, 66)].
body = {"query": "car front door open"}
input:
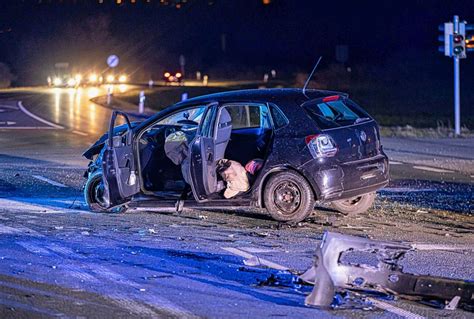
[(119, 167)]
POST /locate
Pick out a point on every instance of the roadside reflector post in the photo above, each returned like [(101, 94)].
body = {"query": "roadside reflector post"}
[(184, 96), (141, 102), (205, 80), (150, 83), (265, 78), (198, 76), (109, 95)]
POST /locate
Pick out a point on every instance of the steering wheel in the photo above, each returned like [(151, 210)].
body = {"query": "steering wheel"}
[(169, 130)]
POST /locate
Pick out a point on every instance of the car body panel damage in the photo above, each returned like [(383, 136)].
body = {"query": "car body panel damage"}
[(331, 273)]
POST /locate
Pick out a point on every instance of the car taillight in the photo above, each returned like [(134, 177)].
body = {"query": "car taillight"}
[(321, 146)]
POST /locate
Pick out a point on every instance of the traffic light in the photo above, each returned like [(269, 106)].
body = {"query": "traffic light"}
[(458, 42)]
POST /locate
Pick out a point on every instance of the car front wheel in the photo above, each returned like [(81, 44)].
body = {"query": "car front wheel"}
[(288, 197), (94, 193), (354, 205)]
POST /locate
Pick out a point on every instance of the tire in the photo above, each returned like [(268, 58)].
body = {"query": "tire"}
[(92, 192), (288, 197), (355, 205)]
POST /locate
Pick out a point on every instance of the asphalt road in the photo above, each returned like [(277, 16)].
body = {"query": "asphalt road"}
[(58, 259)]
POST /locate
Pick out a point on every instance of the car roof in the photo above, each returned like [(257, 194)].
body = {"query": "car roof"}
[(285, 98), (279, 96)]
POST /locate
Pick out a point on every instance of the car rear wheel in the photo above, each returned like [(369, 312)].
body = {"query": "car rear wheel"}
[(288, 197), (354, 205)]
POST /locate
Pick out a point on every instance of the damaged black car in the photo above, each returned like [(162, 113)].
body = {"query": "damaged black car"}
[(280, 149)]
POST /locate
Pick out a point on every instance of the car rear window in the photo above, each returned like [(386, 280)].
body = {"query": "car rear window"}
[(336, 113)]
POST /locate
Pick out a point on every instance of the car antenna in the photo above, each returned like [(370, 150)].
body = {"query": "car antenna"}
[(310, 76)]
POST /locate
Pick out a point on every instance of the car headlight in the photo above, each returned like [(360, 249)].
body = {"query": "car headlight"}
[(110, 78), (123, 79)]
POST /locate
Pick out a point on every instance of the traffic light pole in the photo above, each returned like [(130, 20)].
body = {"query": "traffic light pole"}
[(457, 102), (457, 90)]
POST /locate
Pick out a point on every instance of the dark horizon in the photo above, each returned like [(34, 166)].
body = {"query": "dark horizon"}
[(288, 35)]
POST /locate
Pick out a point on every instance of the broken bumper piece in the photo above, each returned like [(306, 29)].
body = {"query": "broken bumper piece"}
[(329, 273)]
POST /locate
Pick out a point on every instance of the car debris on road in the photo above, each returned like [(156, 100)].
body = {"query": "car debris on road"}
[(331, 272)]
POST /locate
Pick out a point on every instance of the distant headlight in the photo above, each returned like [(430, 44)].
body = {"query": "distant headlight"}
[(71, 82), (57, 81), (167, 75), (78, 78), (123, 79), (93, 78), (110, 78), (178, 75)]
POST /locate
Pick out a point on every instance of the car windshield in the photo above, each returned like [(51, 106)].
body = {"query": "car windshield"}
[(336, 113), (185, 117)]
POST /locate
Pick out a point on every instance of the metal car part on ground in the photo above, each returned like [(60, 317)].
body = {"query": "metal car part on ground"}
[(329, 273)]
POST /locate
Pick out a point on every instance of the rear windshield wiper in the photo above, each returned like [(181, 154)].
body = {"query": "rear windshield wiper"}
[(325, 119), (362, 119)]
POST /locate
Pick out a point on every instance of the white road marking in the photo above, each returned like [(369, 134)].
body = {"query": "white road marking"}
[(49, 181), (441, 247), (377, 303), (40, 206), (407, 189), (8, 107), (391, 308), (261, 261), (8, 123), (27, 128), (256, 250), (36, 117), (395, 163), (433, 169), (80, 133)]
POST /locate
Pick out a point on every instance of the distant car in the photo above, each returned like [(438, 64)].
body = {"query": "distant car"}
[(309, 146), (172, 78), (65, 81)]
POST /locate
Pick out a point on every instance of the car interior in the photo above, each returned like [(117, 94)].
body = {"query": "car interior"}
[(250, 135)]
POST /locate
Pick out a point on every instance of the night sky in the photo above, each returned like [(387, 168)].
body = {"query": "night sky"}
[(285, 34)]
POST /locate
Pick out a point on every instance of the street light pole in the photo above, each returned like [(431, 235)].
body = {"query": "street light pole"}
[(457, 90)]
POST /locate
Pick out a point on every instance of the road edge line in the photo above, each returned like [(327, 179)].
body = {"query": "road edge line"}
[(262, 261), (49, 181), (36, 117), (394, 309)]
